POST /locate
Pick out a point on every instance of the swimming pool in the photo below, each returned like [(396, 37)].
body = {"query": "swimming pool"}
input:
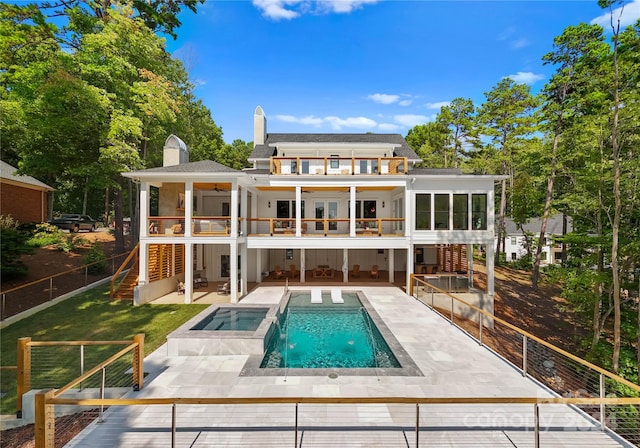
[(313, 334), (232, 319)]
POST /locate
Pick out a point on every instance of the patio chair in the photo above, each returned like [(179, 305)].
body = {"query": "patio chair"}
[(277, 272), (374, 271), (180, 287), (294, 271), (356, 271), (224, 288)]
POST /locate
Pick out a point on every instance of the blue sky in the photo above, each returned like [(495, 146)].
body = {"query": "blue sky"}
[(364, 65)]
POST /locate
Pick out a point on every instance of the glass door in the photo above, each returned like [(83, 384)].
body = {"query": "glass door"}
[(331, 207)]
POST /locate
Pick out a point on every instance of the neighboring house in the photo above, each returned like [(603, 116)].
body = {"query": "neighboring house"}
[(515, 246), (23, 197), (326, 203)]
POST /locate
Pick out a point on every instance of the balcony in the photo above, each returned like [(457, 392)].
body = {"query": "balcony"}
[(334, 227), (174, 226), (339, 165)]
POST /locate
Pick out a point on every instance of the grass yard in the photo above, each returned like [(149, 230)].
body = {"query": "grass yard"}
[(91, 315)]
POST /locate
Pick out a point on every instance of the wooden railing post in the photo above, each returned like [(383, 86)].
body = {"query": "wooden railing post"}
[(45, 421), (138, 362), (23, 376)]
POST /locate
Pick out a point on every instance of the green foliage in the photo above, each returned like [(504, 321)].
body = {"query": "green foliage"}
[(524, 263), (70, 242), (13, 244), (46, 235), (96, 258)]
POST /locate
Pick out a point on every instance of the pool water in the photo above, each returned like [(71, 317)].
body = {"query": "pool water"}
[(232, 319), (327, 336)]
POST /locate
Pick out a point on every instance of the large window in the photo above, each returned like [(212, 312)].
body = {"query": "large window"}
[(287, 209), (423, 212), (441, 211), (479, 212), (460, 212)]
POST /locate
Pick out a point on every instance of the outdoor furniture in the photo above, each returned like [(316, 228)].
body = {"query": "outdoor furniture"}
[(356, 271), (278, 273), (323, 271), (224, 288), (374, 271), (200, 281), (180, 287), (294, 271)]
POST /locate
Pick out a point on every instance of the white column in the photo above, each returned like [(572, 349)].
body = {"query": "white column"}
[(352, 211), (302, 264), (188, 271), (489, 254), (254, 213), (258, 255), (233, 269), (345, 265), (391, 265), (144, 210), (143, 263), (243, 212), (188, 215), (243, 268), (298, 211), (234, 212), (409, 212)]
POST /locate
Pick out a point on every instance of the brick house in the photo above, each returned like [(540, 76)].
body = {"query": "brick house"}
[(23, 197)]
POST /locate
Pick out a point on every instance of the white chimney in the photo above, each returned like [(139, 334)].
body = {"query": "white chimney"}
[(259, 127), (175, 152)]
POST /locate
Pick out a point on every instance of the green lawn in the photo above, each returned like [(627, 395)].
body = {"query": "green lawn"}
[(89, 316)]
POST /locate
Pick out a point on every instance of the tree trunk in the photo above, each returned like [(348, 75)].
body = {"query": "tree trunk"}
[(106, 207), (503, 208), (85, 196)]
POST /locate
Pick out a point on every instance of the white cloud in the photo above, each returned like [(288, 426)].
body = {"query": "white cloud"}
[(437, 105), (519, 43), (290, 9), (410, 120), (405, 102), (525, 77), (350, 122), (630, 14), (388, 127), (308, 120), (383, 98), (276, 9)]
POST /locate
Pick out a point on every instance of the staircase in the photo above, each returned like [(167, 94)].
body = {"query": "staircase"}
[(124, 289)]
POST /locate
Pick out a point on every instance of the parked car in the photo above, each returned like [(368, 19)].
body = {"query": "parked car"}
[(74, 223)]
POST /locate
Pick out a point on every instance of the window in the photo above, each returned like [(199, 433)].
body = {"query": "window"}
[(398, 213), (363, 167), (294, 167), (513, 241), (287, 210), (460, 212), (441, 211), (335, 163), (423, 212), (305, 167), (514, 256), (478, 212)]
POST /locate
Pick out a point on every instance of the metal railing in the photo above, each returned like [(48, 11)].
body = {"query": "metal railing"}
[(339, 165), (50, 288), (556, 369), (325, 227)]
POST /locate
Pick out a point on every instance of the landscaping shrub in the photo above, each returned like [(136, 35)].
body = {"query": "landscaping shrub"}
[(13, 244), (46, 235), (96, 258)]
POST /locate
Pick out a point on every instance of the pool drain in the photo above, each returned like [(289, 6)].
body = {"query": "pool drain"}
[(333, 376)]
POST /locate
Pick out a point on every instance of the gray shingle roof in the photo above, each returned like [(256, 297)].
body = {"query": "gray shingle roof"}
[(265, 151), (8, 172), (203, 166), (554, 225), (436, 171)]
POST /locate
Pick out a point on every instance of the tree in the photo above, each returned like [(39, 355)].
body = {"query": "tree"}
[(460, 121), (429, 142), (506, 118)]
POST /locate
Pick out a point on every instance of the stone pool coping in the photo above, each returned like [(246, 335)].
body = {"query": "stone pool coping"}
[(409, 367)]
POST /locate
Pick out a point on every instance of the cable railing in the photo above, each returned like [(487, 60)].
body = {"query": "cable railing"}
[(566, 374), (50, 288)]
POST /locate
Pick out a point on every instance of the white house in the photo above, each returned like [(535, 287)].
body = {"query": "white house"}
[(515, 240), (325, 203)]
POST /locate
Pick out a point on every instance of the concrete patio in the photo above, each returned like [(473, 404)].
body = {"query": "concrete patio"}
[(452, 364)]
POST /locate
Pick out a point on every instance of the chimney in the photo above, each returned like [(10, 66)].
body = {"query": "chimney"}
[(259, 127), (175, 152)]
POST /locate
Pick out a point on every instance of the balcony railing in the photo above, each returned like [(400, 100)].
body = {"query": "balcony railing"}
[(339, 165), (328, 227), (200, 225)]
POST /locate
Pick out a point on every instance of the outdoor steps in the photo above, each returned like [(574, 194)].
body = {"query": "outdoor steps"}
[(124, 290)]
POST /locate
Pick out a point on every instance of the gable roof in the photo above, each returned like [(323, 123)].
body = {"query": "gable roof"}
[(203, 166), (8, 172), (554, 225), (265, 151)]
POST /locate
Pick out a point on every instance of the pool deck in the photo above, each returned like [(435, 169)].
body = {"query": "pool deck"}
[(453, 365)]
